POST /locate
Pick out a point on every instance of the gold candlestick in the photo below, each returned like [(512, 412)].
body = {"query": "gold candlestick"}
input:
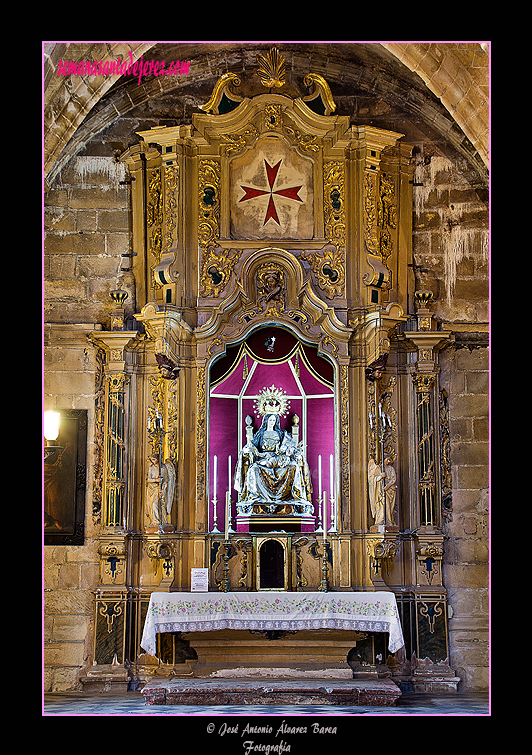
[(224, 585), (324, 586)]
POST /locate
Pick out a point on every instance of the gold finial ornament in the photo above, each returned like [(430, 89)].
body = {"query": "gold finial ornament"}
[(272, 69), (423, 298), (118, 295)]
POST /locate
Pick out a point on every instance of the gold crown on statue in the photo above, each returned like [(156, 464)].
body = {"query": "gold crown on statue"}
[(272, 401)]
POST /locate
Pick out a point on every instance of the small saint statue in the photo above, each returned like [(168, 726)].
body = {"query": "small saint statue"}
[(160, 493), (389, 490), (382, 488), (375, 490)]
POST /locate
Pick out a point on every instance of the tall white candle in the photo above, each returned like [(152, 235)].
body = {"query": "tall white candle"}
[(324, 515), (215, 474), (227, 516), (319, 474), (332, 497), (229, 475)]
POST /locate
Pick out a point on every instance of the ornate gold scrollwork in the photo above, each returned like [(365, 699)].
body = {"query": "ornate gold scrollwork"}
[(321, 87), (305, 142), (115, 459), (445, 458), (155, 213), (113, 557), (245, 548), (334, 202), (216, 343), (387, 215), (221, 88), (430, 557), (110, 612), (208, 203), (327, 344), (328, 264), (201, 442), (272, 116), (216, 270), (238, 142), (99, 436), (382, 551), (371, 233), (328, 267), (171, 175), (380, 215), (423, 381), (161, 550), (344, 437), (163, 393), (431, 611)]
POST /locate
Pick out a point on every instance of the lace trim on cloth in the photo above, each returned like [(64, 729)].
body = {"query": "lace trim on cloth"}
[(211, 626)]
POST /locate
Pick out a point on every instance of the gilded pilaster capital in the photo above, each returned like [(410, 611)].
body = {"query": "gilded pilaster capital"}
[(424, 381), (114, 344)]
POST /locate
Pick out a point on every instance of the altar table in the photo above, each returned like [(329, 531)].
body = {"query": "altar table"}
[(208, 612)]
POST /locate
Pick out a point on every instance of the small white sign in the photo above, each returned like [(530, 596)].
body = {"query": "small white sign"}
[(199, 580)]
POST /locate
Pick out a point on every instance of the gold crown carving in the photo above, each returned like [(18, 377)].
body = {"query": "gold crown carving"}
[(272, 400)]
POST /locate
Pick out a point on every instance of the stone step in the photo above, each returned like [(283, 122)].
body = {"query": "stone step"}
[(270, 691)]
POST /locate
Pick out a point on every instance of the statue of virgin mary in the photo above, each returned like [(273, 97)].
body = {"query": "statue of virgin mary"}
[(272, 470)]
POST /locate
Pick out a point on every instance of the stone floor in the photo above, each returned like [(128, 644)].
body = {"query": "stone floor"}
[(132, 704)]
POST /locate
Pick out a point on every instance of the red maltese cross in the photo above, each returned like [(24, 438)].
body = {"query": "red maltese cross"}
[(271, 173)]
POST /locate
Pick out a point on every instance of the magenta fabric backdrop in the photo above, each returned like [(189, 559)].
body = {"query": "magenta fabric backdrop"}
[(224, 430)]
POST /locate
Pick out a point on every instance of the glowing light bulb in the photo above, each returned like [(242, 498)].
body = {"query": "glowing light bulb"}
[(51, 425)]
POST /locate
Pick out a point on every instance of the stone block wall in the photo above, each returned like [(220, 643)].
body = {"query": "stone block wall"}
[(451, 258), (87, 218), (451, 241), (466, 563), (70, 572)]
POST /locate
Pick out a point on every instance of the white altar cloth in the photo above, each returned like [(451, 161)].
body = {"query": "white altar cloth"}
[(208, 612)]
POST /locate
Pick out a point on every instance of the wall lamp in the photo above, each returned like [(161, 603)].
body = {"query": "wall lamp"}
[(51, 433)]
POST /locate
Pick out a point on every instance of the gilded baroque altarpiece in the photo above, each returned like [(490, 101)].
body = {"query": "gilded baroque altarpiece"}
[(272, 263)]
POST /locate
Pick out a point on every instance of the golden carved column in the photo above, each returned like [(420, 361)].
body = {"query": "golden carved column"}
[(115, 452), (112, 598), (425, 383)]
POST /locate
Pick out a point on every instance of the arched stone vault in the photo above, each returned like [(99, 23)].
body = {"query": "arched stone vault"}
[(458, 75), (446, 84)]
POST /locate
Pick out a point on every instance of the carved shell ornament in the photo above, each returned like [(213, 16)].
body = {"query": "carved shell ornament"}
[(272, 69)]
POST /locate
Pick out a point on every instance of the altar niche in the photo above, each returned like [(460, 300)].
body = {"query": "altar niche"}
[(272, 436), (272, 562)]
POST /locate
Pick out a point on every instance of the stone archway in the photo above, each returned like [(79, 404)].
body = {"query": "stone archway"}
[(455, 73)]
